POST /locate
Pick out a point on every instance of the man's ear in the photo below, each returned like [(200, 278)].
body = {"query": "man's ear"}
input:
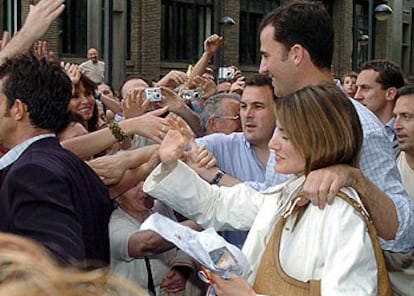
[(297, 53), (211, 124), (391, 93), (18, 110)]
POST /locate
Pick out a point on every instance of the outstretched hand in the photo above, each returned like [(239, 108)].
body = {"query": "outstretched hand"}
[(37, 22), (72, 70), (134, 104), (236, 285), (41, 16), (174, 281), (212, 44), (175, 142)]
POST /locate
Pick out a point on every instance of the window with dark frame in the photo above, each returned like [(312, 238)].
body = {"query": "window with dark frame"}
[(3, 15), (73, 28), (251, 14), (184, 26)]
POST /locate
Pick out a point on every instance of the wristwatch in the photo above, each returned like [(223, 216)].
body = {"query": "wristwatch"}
[(218, 177)]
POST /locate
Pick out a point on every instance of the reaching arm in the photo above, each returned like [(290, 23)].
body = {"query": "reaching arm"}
[(111, 104), (147, 243), (38, 21), (147, 125), (209, 174), (178, 106), (211, 45), (111, 168)]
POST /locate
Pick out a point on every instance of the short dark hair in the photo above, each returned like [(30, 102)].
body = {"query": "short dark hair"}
[(405, 90), (42, 86), (390, 74), (261, 80), (306, 23)]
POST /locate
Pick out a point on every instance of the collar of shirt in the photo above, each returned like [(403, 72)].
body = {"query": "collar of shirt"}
[(13, 154), (390, 130)]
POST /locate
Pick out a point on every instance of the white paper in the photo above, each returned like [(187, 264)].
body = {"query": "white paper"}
[(207, 247)]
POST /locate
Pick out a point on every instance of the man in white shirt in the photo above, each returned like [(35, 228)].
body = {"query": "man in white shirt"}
[(93, 68), (401, 265)]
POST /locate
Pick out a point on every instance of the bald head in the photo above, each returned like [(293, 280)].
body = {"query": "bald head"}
[(93, 55)]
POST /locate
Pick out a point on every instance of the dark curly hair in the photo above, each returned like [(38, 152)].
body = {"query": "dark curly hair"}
[(42, 86)]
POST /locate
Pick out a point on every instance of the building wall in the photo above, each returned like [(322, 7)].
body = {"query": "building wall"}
[(145, 38)]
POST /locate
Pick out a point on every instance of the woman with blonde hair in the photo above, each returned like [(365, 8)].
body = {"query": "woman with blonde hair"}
[(27, 268), (317, 127)]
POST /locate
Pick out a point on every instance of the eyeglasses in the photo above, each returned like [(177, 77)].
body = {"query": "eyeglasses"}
[(235, 117)]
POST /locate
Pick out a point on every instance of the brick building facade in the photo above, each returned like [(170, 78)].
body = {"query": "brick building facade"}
[(150, 37)]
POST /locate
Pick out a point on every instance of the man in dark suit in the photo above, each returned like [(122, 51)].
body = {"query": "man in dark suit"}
[(47, 193)]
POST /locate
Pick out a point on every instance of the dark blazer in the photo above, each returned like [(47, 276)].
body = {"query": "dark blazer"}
[(53, 197)]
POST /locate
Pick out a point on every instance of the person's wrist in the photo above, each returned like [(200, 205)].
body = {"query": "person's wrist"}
[(356, 178), (168, 166), (132, 125), (217, 177), (208, 54)]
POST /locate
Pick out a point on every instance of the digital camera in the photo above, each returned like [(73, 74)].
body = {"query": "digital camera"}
[(226, 73), (191, 94), (153, 93)]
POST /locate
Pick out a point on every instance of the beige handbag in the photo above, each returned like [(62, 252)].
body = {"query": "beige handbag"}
[(272, 280)]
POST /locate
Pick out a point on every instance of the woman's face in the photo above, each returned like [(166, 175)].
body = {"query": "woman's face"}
[(82, 102), (288, 159)]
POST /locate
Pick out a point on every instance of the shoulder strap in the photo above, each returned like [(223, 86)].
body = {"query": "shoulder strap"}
[(384, 286)]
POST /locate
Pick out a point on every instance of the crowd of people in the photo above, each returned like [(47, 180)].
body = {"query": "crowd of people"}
[(287, 165)]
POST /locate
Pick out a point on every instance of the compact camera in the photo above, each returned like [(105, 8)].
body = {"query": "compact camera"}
[(191, 94), (153, 93), (226, 73)]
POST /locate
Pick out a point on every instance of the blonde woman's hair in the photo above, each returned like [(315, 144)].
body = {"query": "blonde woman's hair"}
[(323, 125), (26, 268)]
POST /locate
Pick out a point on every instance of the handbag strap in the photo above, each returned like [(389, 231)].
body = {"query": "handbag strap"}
[(313, 286), (383, 281)]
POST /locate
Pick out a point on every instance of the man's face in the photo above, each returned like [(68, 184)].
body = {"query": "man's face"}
[(257, 114), (277, 64), (370, 92), (404, 123), (228, 121), (93, 55), (6, 121)]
